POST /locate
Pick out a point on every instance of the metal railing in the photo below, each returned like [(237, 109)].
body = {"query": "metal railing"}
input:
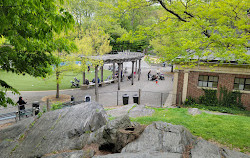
[(114, 98)]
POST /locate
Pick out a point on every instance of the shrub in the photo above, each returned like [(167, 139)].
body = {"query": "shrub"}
[(189, 101), (210, 98), (57, 105), (229, 98)]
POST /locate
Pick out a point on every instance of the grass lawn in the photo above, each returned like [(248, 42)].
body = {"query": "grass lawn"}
[(29, 83), (230, 130)]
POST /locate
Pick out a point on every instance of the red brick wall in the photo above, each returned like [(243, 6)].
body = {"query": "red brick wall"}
[(192, 90), (179, 85), (226, 80)]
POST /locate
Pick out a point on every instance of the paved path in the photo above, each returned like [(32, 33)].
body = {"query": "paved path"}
[(108, 93)]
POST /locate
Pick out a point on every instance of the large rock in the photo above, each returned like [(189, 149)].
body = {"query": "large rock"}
[(232, 154), (143, 155), (133, 110), (161, 137), (115, 135), (205, 149), (10, 136), (194, 111), (73, 154), (58, 130)]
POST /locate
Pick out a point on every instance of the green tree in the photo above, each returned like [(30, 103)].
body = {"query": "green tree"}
[(202, 29), (94, 42), (27, 33)]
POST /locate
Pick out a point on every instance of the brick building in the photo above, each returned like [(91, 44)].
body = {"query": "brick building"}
[(191, 81)]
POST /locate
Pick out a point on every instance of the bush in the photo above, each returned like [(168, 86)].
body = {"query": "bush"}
[(229, 98), (189, 101), (210, 98), (55, 106)]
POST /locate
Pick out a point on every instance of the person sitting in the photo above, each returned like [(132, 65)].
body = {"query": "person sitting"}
[(130, 76), (154, 77), (93, 80), (86, 81), (98, 80)]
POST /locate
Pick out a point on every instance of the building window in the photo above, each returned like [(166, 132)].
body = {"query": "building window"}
[(208, 81), (242, 84)]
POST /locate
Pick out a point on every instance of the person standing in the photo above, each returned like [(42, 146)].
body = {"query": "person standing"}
[(21, 101), (88, 68), (149, 74)]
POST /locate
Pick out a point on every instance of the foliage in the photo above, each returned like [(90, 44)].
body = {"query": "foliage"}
[(40, 114), (229, 98), (207, 126), (210, 98), (4, 100), (226, 98), (27, 32), (189, 101), (56, 106), (202, 30)]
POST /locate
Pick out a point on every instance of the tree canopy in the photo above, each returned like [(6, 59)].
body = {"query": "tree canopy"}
[(27, 32), (203, 29), (176, 30)]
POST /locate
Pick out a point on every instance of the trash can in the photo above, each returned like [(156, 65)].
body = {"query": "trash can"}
[(35, 107), (125, 98), (87, 98), (136, 99)]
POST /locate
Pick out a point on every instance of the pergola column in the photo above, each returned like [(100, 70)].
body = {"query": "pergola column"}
[(102, 73), (119, 76), (121, 71), (132, 83), (96, 84), (113, 70), (136, 66), (139, 70)]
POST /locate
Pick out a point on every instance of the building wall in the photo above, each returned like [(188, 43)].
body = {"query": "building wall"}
[(225, 79)]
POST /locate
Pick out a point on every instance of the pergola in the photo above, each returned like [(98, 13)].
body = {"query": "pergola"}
[(119, 58)]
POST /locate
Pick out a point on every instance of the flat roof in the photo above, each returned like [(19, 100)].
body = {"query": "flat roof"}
[(117, 58)]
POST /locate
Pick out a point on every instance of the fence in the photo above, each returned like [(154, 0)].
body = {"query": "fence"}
[(156, 99)]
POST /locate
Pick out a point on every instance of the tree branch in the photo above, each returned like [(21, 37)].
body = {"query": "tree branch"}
[(188, 14), (172, 12)]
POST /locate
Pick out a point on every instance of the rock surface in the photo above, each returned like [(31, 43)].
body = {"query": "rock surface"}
[(84, 131), (194, 111), (58, 130), (115, 135), (161, 137), (73, 154), (205, 149), (142, 155), (133, 110)]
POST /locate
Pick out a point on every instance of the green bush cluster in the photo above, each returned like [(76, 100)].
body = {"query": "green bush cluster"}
[(57, 105), (210, 98), (227, 102)]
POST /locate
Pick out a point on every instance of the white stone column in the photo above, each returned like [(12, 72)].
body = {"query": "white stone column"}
[(175, 85), (185, 86)]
